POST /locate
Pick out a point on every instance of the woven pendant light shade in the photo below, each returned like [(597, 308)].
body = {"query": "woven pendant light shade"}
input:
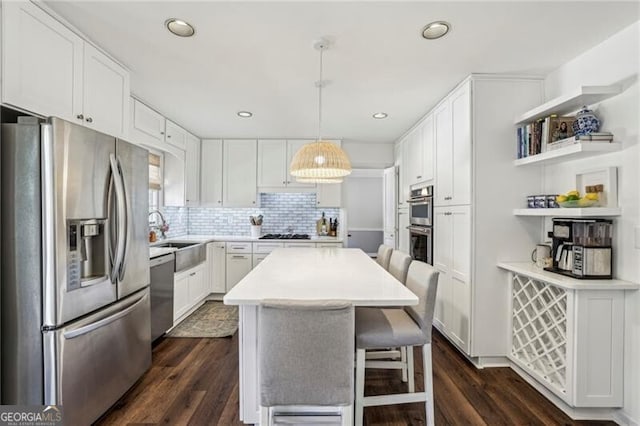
[(320, 160)]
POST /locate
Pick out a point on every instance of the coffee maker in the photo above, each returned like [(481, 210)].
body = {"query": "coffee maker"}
[(581, 248)]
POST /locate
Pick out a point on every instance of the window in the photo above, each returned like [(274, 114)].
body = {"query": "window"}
[(155, 181)]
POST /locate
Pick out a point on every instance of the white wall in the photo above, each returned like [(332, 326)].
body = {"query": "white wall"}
[(369, 155), (616, 60)]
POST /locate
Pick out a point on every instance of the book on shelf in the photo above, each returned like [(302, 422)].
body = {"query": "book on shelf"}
[(600, 136)]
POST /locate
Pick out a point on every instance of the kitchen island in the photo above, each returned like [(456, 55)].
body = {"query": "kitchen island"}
[(305, 274)]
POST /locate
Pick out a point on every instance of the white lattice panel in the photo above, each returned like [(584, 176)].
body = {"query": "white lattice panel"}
[(539, 320)]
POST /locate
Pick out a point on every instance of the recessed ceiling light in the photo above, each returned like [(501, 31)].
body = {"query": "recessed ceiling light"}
[(179, 27), (435, 30), (245, 114), (380, 115)]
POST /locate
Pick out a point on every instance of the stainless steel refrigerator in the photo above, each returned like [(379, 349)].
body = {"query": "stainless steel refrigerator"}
[(74, 267)]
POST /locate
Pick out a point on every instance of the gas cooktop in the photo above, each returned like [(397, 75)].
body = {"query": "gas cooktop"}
[(285, 237)]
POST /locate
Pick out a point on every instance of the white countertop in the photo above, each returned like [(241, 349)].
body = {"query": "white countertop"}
[(320, 274), (530, 270), (241, 238)]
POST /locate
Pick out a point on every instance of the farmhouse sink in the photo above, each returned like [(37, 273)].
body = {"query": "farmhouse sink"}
[(188, 255)]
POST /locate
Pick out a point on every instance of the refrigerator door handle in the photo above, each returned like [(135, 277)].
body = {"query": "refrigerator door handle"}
[(120, 217), (127, 221), (104, 321)]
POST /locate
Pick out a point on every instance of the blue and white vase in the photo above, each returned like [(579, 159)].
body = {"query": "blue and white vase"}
[(586, 122)]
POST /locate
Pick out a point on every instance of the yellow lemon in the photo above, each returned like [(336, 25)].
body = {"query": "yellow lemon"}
[(591, 196), (561, 198), (574, 192)]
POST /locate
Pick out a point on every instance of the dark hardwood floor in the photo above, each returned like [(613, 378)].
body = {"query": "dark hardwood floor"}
[(195, 382)]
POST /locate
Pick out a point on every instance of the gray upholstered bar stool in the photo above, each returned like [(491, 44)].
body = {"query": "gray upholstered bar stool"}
[(399, 265), (305, 352), (411, 326), (384, 255)]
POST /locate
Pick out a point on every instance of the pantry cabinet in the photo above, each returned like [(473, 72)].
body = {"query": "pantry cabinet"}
[(452, 120), (240, 173), (217, 263), (451, 247), (78, 83), (211, 173)]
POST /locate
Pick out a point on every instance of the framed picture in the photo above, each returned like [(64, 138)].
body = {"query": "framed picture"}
[(560, 128)]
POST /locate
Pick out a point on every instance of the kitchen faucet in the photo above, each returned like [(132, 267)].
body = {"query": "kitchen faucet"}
[(163, 227)]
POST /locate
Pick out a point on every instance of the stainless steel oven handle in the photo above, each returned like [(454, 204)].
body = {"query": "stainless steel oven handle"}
[(419, 230)]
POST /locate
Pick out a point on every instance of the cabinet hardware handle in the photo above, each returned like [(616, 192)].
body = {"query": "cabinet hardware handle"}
[(89, 120), (238, 257), (288, 181), (162, 133), (418, 177), (169, 136), (192, 274), (80, 117), (253, 202), (284, 182)]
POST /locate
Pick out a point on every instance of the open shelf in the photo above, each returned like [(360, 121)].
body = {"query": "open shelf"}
[(571, 152), (583, 95), (575, 212)]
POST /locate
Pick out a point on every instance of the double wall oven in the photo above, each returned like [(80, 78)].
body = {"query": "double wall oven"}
[(421, 223)]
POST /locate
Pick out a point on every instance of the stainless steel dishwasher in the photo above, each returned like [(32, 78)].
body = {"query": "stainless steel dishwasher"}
[(162, 268)]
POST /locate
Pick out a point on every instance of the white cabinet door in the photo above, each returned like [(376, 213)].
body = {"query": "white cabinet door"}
[(238, 265), (272, 170), (444, 154), (192, 166), (181, 298), (442, 240), (399, 164), (266, 248), (404, 191), (294, 146), (147, 126), (176, 135), (428, 166), (217, 259), (461, 145), (174, 179), (389, 202), (198, 288), (211, 176), (403, 232), (460, 272), (329, 195), (257, 258), (240, 172), (415, 155), (106, 93), (328, 245), (42, 62)]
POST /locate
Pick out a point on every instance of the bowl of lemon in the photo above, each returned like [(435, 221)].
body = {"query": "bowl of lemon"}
[(572, 199)]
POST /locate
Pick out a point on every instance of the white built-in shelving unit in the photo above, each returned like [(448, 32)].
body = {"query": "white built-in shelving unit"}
[(572, 152), (570, 212), (583, 95)]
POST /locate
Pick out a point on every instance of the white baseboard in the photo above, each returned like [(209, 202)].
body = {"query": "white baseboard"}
[(573, 412), (623, 419)]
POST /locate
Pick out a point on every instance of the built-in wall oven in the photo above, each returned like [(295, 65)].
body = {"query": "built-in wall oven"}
[(421, 223)]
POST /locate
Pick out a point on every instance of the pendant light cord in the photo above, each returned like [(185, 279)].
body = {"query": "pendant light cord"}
[(320, 84)]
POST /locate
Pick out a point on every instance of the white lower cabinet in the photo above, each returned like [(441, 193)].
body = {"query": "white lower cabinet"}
[(452, 258), (257, 258), (217, 263), (238, 265), (189, 288), (328, 245), (300, 245)]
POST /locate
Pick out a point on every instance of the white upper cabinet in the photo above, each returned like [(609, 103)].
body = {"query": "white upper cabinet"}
[(42, 62), (106, 93), (329, 195), (428, 166), (175, 135), (192, 173), (49, 70), (453, 148), (294, 146), (174, 179), (211, 173), (272, 167), (414, 156), (274, 159), (240, 173), (147, 125)]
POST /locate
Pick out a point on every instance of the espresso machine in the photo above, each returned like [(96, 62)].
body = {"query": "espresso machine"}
[(582, 248)]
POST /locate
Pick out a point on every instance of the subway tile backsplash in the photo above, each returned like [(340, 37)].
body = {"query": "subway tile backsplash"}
[(281, 211)]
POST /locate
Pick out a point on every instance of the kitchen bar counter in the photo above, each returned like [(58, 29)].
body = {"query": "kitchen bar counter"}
[(307, 274)]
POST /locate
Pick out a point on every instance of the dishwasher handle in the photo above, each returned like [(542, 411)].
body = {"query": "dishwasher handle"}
[(160, 260)]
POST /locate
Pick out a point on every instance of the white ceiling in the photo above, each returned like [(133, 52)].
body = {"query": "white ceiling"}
[(258, 57)]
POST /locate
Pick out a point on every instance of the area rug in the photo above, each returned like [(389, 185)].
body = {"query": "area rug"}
[(213, 319)]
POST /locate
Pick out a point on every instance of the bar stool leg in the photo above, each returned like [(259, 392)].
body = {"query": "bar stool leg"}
[(428, 383), (403, 359), (410, 368), (360, 360)]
